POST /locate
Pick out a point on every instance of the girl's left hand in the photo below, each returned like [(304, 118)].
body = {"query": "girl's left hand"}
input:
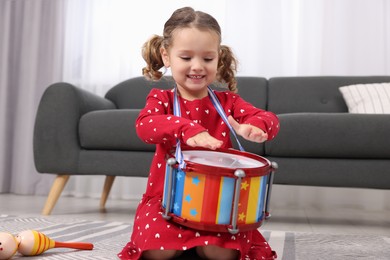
[(249, 132)]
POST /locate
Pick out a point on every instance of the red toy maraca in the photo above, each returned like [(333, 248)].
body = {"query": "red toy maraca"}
[(32, 242)]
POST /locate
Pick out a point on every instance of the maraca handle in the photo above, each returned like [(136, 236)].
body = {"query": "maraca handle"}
[(75, 245)]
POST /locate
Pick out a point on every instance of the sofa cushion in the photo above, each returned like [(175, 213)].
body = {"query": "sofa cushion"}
[(115, 130), (331, 135), (333, 172), (111, 130), (371, 98)]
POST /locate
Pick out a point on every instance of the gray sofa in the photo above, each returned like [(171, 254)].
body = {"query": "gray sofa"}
[(319, 143)]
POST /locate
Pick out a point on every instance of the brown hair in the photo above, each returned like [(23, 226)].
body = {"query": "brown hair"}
[(187, 17)]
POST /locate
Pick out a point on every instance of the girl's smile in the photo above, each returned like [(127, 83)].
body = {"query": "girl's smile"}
[(193, 59), (196, 79)]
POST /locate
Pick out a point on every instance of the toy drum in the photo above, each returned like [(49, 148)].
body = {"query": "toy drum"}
[(221, 190)]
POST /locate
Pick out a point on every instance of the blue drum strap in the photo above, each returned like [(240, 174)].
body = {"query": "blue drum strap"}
[(221, 112), (176, 111)]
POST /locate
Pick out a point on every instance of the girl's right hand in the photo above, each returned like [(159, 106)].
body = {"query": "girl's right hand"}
[(205, 140)]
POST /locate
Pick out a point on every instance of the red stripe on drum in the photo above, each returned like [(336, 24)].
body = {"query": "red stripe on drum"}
[(243, 202), (210, 199)]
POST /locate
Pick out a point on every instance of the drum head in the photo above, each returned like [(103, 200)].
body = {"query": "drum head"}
[(221, 159)]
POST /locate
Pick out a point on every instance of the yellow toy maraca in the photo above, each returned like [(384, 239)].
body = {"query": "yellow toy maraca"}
[(32, 242)]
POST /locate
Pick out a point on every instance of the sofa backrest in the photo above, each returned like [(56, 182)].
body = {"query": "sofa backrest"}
[(131, 93), (254, 90), (313, 94)]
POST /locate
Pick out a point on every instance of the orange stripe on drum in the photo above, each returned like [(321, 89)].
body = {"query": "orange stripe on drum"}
[(193, 196)]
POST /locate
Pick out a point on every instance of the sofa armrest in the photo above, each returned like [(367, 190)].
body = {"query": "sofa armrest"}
[(112, 129), (56, 142)]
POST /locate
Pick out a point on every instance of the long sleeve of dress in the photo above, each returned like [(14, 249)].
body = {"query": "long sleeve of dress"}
[(157, 124), (246, 113)]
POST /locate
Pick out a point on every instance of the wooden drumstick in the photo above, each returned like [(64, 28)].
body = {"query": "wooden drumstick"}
[(32, 242)]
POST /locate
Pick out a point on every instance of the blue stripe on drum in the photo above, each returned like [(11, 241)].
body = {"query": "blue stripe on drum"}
[(260, 206), (179, 190), (226, 200)]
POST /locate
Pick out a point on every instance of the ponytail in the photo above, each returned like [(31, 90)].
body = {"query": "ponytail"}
[(152, 56), (227, 66)]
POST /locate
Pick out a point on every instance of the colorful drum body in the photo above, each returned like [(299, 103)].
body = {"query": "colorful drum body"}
[(202, 195)]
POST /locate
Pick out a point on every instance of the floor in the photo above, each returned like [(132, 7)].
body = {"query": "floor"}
[(300, 209)]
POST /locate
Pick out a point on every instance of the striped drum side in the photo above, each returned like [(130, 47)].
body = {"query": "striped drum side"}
[(252, 193), (208, 199), (203, 193)]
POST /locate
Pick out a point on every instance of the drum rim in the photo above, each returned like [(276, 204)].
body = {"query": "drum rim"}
[(218, 170)]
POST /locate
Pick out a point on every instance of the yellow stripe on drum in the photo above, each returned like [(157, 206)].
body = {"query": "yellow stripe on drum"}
[(251, 213)]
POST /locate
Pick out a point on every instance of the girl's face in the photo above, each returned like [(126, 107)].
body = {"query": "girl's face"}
[(193, 59)]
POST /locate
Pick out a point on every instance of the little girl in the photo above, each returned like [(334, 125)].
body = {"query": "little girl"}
[(191, 48)]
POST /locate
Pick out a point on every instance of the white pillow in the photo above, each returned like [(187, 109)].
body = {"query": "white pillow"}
[(371, 98)]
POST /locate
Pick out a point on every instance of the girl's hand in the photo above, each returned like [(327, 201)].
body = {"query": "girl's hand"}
[(249, 132), (204, 139)]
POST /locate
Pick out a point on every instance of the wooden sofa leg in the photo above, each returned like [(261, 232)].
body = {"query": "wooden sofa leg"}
[(54, 194), (106, 191)]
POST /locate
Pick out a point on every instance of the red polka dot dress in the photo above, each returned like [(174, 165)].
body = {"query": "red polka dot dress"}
[(157, 125)]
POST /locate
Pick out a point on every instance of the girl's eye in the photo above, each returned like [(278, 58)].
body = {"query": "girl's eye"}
[(185, 58), (208, 59)]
